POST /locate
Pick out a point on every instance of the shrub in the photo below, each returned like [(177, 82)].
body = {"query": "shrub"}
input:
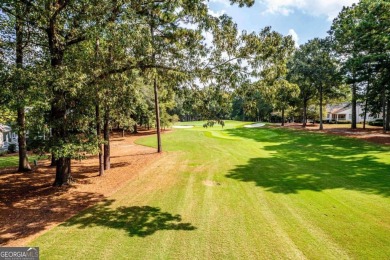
[(343, 122), (174, 119), (36, 143), (377, 122), (12, 148)]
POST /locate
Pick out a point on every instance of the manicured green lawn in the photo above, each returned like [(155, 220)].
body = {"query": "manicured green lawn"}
[(11, 161), (262, 193)]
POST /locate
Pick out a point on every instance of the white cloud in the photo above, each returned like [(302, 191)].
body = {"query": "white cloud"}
[(329, 8), (294, 36), (224, 2), (208, 38), (217, 13)]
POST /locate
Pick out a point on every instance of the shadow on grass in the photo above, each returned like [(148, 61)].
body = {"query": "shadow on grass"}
[(298, 160), (138, 221)]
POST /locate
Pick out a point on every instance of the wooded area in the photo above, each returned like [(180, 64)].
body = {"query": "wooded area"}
[(85, 67)]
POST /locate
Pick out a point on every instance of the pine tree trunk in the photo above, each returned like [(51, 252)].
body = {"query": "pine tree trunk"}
[(366, 104), (98, 119), (304, 113), (107, 164), (321, 125), (24, 166), (98, 131), (53, 160), (387, 122), (353, 124), (156, 104), (384, 107)]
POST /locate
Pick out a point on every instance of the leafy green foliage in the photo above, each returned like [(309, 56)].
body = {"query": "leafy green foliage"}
[(360, 36), (315, 70)]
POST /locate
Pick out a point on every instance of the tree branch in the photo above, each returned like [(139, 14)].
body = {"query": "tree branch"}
[(76, 40), (61, 6)]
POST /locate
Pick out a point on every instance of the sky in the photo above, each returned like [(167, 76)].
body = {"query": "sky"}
[(303, 19)]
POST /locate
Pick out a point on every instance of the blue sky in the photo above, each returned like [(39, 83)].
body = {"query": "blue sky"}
[(304, 19)]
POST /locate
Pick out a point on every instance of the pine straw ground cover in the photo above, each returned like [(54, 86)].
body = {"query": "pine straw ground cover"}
[(264, 193), (29, 205), (372, 134)]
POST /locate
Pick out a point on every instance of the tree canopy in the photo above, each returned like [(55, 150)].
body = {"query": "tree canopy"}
[(85, 67)]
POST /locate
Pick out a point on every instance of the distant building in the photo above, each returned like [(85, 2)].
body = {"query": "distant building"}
[(7, 137), (343, 112)]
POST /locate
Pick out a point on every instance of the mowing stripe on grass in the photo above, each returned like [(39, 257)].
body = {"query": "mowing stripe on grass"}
[(256, 194)]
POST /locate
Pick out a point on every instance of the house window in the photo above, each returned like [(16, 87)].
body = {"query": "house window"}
[(350, 116)]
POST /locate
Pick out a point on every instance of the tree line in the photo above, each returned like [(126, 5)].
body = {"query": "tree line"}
[(350, 64), (82, 67)]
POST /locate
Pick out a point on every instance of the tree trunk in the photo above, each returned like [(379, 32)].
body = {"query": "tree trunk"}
[(135, 129), (107, 164), (58, 115), (58, 102), (304, 113), (321, 125), (282, 116), (353, 123), (63, 172), (98, 118), (53, 160), (98, 131), (156, 104), (387, 121), (24, 166), (365, 115), (384, 107)]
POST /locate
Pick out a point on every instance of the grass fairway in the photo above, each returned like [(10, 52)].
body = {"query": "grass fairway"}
[(261, 193)]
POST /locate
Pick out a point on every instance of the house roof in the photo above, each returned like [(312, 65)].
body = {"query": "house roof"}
[(4, 128), (336, 109)]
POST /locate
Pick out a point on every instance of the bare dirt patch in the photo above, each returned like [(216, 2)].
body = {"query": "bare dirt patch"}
[(211, 183), (370, 134), (30, 205)]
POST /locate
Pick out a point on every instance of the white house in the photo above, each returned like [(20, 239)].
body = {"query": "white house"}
[(7, 137), (343, 112)]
